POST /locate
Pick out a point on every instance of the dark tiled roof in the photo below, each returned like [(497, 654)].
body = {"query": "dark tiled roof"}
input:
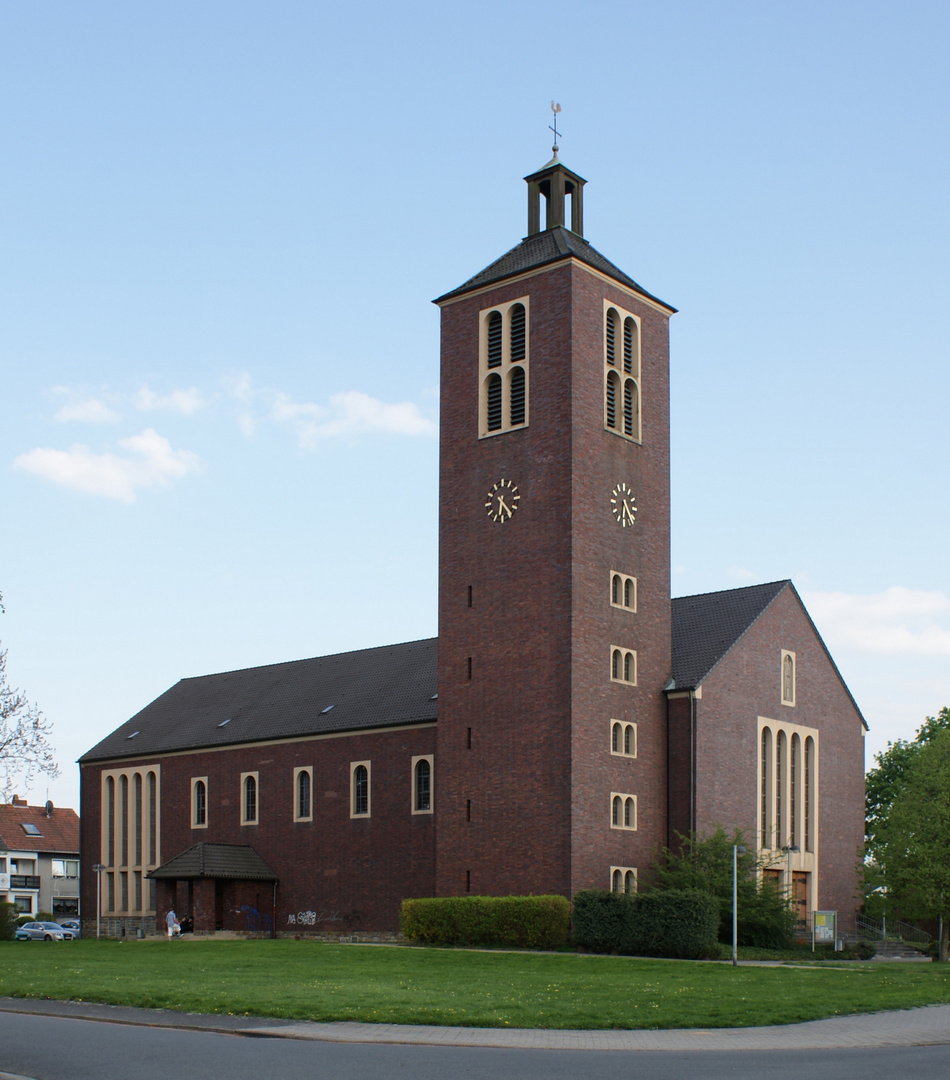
[(238, 861), (393, 684), (706, 626), (58, 833), (547, 247)]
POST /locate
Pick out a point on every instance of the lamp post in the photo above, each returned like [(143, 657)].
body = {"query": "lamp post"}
[(737, 850), (98, 867)]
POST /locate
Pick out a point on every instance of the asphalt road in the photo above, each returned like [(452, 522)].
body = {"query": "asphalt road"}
[(62, 1048)]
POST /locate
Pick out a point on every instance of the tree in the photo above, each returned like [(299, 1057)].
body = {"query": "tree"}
[(914, 839), (25, 732), (895, 879), (765, 917)]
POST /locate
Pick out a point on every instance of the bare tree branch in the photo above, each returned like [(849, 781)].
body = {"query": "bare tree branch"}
[(25, 733)]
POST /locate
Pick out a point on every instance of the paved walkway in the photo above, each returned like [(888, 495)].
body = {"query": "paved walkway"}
[(912, 1027)]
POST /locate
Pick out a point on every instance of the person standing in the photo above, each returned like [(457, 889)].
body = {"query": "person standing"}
[(171, 921)]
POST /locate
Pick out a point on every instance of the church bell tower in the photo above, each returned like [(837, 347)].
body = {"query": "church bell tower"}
[(554, 565)]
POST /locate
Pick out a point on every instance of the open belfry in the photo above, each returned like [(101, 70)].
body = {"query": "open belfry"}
[(569, 720)]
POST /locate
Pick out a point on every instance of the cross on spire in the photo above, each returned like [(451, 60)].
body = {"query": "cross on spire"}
[(555, 108)]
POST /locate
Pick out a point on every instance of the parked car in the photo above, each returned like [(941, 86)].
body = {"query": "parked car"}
[(22, 935), (46, 931), (72, 924)]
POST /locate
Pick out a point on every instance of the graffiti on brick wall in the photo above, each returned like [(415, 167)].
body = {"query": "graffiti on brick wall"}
[(311, 918), (257, 921)]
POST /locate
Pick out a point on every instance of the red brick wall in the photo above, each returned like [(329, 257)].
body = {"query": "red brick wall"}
[(335, 873), (746, 685), (537, 778)]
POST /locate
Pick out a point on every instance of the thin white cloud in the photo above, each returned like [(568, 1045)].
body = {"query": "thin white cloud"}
[(92, 411), (150, 461), (185, 402), (349, 414), (897, 620)]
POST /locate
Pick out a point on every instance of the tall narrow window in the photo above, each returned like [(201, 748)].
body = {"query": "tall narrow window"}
[(303, 794), (517, 333), (765, 772), (152, 818), (422, 786), (610, 337), (359, 789), (616, 809), (110, 815), (124, 830), (809, 794), (615, 738), (613, 383), (630, 881), (494, 402), (517, 396), (794, 776), (249, 807), (138, 820), (779, 789), (630, 740), (788, 678), (616, 881), (494, 339), (200, 797)]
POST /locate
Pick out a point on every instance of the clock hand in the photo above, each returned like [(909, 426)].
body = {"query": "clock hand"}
[(502, 505)]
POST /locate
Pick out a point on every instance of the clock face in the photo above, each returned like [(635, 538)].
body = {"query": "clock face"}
[(502, 501), (623, 505)]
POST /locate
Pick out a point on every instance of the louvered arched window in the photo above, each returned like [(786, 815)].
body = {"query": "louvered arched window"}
[(503, 367), (621, 373)]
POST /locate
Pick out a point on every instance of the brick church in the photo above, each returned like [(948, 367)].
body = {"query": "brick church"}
[(568, 721)]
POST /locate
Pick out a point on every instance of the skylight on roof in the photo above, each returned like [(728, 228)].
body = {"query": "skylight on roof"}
[(327, 709), (132, 736), (224, 723), (30, 829)]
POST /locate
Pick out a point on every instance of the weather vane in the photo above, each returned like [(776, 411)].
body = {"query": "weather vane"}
[(555, 108)]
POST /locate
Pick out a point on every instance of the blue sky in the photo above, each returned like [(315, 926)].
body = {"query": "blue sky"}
[(222, 226)]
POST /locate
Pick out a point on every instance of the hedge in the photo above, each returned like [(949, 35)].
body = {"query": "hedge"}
[(8, 921), (520, 922), (681, 924)]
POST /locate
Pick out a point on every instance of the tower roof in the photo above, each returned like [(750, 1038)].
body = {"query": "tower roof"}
[(542, 249), (554, 183)]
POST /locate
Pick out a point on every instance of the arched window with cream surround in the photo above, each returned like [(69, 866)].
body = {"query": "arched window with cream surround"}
[(809, 778), (794, 779), (780, 792), (765, 800), (503, 368), (249, 807), (621, 372)]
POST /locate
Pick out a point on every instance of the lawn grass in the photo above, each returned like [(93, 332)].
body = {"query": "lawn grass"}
[(381, 984)]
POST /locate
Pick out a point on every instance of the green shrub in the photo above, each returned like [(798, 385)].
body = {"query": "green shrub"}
[(520, 922), (601, 919), (673, 923), (682, 924), (8, 921)]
